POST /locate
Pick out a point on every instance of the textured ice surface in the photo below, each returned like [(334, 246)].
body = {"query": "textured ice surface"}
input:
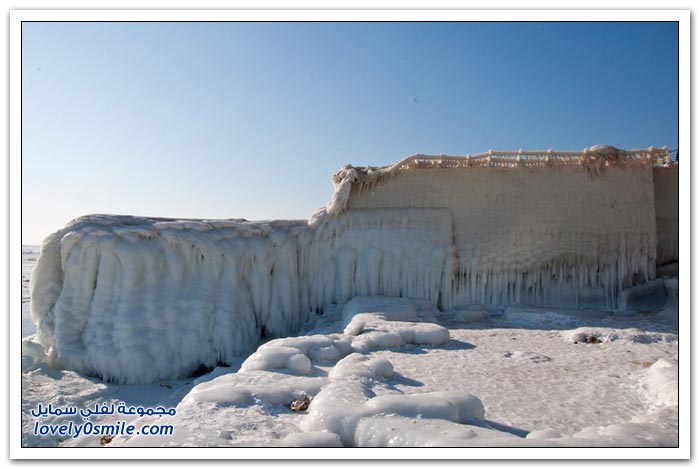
[(666, 201), (542, 236), (649, 296), (138, 300)]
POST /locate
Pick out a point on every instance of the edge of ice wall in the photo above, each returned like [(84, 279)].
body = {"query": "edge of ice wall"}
[(594, 160)]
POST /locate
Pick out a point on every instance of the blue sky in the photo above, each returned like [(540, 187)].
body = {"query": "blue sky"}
[(249, 120)]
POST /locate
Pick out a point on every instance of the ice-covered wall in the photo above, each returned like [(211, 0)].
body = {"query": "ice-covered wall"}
[(539, 235), (666, 200), (136, 300), (397, 252)]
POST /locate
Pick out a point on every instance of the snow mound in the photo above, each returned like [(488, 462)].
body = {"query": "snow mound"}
[(357, 365), (380, 323), (661, 383), (458, 407), (348, 408), (245, 388), (384, 308), (33, 354), (276, 358), (372, 333), (320, 348), (629, 434), (383, 335)]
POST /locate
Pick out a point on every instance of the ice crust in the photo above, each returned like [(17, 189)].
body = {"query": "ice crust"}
[(137, 300)]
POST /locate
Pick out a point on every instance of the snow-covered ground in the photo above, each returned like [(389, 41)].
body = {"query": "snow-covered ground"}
[(392, 372)]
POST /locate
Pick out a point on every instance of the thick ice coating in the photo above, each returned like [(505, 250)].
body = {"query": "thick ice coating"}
[(136, 300)]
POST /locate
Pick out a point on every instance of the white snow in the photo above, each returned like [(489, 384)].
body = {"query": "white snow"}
[(661, 382), (311, 440), (492, 383)]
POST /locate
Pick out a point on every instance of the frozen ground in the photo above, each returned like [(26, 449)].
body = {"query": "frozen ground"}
[(389, 372)]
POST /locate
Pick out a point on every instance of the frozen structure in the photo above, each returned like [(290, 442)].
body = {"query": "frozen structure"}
[(666, 204), (137, 300)]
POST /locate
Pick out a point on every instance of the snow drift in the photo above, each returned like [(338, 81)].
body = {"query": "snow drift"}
[(134, 299)]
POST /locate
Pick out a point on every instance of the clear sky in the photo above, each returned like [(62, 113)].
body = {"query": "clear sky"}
[(250, 120)]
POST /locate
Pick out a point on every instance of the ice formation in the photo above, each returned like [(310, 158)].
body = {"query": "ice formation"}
[(345, 410), (136, 300)]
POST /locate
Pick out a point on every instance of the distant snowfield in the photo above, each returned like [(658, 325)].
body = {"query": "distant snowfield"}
[(392, 372)]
